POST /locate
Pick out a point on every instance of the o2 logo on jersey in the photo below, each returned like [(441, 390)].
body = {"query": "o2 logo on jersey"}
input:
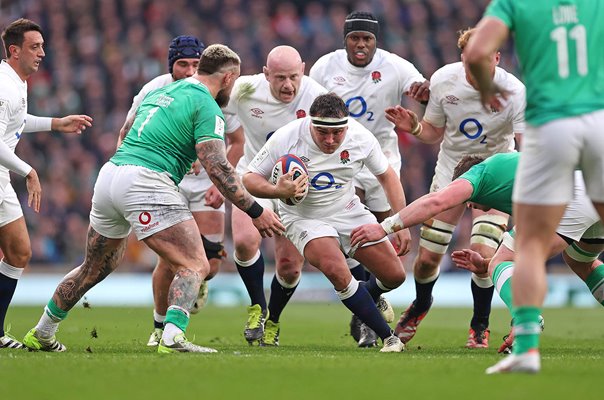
[(357, 107), (323, 181), (469, 125)]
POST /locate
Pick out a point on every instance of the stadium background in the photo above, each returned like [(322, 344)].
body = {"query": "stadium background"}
[(100, 53)]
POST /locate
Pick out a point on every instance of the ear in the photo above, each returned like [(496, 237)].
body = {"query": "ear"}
[(303, 67), (13, 51), (497, 58), (265, 72)]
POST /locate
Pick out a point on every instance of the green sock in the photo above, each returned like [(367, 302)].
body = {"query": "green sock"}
[(178, 318), (54, 312), (595, 283), (502, 275), (526, 329)]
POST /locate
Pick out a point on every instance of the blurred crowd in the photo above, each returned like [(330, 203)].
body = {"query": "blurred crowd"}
[(99, 53)]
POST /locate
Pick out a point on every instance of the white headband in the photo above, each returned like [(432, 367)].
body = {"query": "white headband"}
[(329, 122)]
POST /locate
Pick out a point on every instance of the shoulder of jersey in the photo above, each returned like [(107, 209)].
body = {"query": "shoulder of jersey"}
[(445, 73), (246, 85), (158, 82)]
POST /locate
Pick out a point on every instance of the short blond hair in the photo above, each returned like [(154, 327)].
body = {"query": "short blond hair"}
[(464, 37), (217, 58)]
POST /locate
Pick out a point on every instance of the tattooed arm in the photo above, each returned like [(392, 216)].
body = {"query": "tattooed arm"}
[(212, 155)]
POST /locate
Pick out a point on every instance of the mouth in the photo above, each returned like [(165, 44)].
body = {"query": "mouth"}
[(360, 55)]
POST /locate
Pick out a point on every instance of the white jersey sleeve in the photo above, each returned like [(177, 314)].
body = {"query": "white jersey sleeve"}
[(155, 83)]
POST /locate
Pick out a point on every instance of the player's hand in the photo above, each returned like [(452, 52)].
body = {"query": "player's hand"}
[(214, 198), (419, 91), (268, 224), (72, 123), (34, 190), (402, 242), (195, 168), (470, 260), (494, 98), (403, 119), (366, 233), (288, 187)]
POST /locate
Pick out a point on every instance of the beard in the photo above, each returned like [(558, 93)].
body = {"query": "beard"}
[(222, 98)]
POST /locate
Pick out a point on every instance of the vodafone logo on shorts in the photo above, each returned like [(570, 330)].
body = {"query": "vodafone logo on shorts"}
[(144, 218)]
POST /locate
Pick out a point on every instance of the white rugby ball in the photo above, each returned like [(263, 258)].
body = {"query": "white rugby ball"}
[(285, 164)]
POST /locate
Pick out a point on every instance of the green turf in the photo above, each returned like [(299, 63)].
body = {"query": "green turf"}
[(317, 359)]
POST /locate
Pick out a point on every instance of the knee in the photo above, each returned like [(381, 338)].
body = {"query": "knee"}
[(336, 272), (18, 256), (426, 263), (395, 276), (289, 268), (246, 246)]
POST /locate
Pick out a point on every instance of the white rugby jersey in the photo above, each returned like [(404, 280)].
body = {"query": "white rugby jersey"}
[(330, 175), (469, 128), (13, 112), (155, 83), (254, 107), (368, 91)]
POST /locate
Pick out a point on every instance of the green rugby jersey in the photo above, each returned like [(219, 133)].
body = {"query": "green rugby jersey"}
[(560, 45), (169, 123), (493, 181)]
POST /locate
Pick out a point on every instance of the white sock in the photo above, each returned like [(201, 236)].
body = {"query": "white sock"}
[(170, 331), (47, 326), (158, 317)]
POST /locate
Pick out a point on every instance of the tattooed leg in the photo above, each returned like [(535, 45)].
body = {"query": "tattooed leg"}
[(103, 255), (181, 246)]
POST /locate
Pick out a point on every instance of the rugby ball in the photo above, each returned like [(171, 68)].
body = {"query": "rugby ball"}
[(285, 164)]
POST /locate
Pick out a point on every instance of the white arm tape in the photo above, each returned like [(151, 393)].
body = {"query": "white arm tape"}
[(9, 160), (37, 124), (392, 224)]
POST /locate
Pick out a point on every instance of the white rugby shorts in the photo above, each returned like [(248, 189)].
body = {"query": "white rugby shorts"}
[(193, 189), (10, 208), (551, 152), (302, 229), (135, 198)]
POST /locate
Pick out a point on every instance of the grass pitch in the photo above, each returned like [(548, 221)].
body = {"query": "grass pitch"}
[(107, 358)]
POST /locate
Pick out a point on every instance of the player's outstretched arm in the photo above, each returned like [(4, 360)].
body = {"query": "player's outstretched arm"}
[(212, 155), (71, 124), (422, 209), (396, 198)]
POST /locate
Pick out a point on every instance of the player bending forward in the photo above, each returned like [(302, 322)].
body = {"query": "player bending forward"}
[(334, 149)]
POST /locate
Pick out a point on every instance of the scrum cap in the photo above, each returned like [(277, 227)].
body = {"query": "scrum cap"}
[(184, 47)]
